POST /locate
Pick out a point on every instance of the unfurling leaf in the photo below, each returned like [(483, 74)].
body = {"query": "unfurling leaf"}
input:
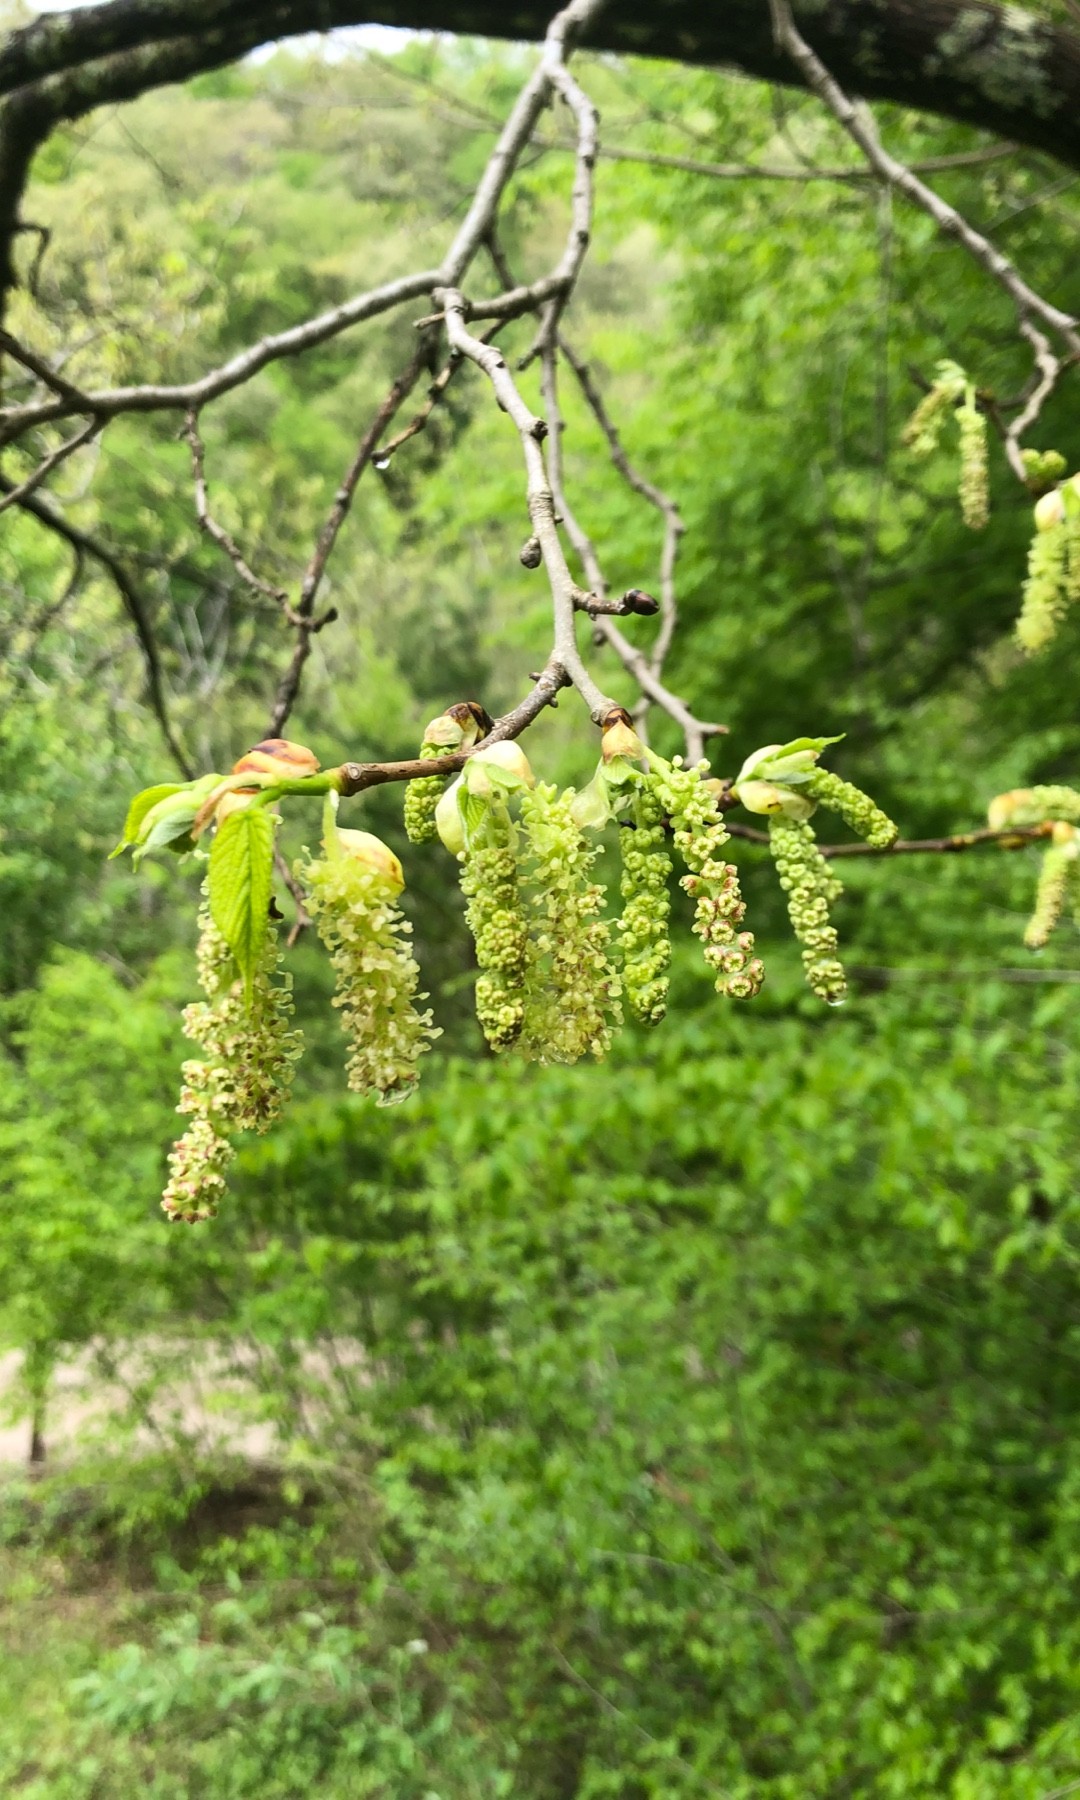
[(139, 808), (240, 885)]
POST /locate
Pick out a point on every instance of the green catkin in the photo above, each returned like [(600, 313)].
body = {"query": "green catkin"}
[(375, 974), (1071, 528), (855, 808), (571, 989), (1050, 895), (810, 887), (496, 918), (974, 464), (712, 883), (422, 796), (643, 927), (243, 1081), (922, 433), (1046, 591)]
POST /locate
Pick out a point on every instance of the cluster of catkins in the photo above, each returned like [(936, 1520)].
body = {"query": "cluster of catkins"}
[(553, 972), (1058, 810), (784, 783), (953, 395), (242, 1080), (1053, 572)]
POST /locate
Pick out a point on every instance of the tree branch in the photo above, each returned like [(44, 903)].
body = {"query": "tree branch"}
[(83, 543), (1030, 306), (1001, 68)]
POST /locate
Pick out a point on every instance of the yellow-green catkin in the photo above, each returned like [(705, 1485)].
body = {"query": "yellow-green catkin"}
[(1058, 866), (242, 1081), (1046, 590), (422, 796), (496, 918), (375, 973), (1071, 528), (974, 463), (922, 433), (855, 808), (810, 888), (712, 883), (643, 928), (571, 987)]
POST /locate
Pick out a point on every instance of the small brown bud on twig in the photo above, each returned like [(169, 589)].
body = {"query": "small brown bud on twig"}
[(636, 600), (530, 555)]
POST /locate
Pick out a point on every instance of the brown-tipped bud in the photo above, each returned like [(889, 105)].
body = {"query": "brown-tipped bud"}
[(636, 600), (277, 756), (620, 738), (530, 555), (474, 719)]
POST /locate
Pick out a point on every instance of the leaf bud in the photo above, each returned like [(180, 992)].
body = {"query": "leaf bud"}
[(530, 555), (372, 854), (277, 756), (448, 821), (1049, 511), (621, 740), (770, 798), (504, 765)]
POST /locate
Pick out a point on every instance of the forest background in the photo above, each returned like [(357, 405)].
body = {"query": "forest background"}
[(697, 1424)]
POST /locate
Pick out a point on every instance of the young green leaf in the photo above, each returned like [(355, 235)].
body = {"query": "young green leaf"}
[(139, 808), (240, 885)]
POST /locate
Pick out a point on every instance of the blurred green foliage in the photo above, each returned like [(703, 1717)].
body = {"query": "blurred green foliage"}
[(700, 1424)]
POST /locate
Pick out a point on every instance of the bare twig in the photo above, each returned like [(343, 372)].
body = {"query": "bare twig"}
[(84, 542), (673, 523), (193, 395), (742, 171), (216, 531), (356, 777), (303, 618), (1015, 838), (634, 660), (532, 431), (18, 494)]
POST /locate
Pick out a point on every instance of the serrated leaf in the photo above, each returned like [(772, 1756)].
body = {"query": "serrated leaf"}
[(241, 882), (139, 808)]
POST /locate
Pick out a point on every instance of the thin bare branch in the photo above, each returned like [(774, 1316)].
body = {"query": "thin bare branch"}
[(532, 431), (192, 396), (634, 660), (217, 532), (34, 480), (82, 541), (358, 776), (1016, 838), (673, 522), (303, 616), (742, 171)]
